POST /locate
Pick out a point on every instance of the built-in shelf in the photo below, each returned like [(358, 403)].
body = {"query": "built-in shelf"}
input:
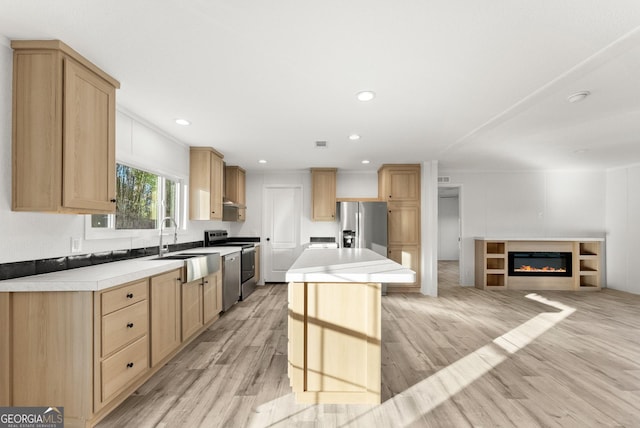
[(492, 271)]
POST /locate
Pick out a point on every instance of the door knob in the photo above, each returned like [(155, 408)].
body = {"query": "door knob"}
[(268, 239)]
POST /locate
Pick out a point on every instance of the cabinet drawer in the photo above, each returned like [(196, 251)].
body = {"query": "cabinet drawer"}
[(124, 296), (123, 367), (124, 326)]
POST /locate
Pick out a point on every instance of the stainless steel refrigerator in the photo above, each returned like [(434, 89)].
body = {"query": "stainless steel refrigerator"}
[(363, 225)]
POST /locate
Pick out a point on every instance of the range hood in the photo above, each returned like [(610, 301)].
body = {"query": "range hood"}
[(229, 203)]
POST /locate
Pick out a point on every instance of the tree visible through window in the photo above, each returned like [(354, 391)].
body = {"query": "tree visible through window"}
[(136, 192), (139, 195)]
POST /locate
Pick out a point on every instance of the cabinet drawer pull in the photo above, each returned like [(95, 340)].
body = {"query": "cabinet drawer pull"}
[(129, 365), (129, 325), (129, 295)]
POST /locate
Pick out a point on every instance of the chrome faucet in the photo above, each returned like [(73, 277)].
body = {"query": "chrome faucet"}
[(161, 249)]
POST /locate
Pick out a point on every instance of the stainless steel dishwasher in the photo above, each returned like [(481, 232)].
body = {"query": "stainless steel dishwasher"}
[(230, 280)]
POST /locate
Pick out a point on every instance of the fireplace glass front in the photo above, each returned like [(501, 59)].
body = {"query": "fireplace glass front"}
[(539, 263)]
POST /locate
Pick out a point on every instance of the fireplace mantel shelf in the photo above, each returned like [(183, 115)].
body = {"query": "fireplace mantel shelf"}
[(492, 263)]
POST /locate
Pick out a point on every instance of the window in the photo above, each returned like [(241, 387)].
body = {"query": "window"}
[(142, 199)]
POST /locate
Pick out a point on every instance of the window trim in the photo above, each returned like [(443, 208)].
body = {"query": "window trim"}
[(111, 233)]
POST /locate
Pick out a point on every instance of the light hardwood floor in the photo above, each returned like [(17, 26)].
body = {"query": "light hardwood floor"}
[(468, 358)]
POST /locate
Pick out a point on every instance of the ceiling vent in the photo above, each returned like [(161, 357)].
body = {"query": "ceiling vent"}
[(321, 144), (444, 179)]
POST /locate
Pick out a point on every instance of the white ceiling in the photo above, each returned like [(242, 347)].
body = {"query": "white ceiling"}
[(474, 84)]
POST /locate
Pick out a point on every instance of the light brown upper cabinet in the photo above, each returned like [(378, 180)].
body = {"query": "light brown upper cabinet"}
[(63, 149), (234, 194), (234, 185), (399, 183), (206, 181), (323, 188)]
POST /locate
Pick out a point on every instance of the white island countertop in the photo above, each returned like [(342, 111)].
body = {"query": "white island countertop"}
[(103, 276), (347, 265)]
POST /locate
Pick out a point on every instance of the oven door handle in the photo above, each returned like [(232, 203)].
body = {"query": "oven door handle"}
[(249, 250)]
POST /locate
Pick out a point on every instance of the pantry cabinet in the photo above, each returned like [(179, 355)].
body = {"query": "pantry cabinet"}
[(63, 140), (206, 181), (399, 186)]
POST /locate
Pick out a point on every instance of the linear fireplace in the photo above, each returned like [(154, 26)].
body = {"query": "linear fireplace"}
[(540, 263)]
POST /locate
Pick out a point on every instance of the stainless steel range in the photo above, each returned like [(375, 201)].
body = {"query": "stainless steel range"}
[(219, 238)]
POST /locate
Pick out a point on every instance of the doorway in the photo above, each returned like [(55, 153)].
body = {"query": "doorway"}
[(449, 235), (282, 214)]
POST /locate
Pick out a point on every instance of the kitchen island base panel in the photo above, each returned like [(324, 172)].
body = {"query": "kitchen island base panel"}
[(334, 342)]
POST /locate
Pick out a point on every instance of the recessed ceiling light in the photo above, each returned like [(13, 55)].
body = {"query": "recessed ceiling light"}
[(183, 122), (354, 137), (365, 161), (578, 96), (366, 95), (262, 161)]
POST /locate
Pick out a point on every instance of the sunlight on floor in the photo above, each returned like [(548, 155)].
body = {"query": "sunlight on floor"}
[(425, 396)]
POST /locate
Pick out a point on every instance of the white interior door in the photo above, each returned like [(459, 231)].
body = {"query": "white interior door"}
[(281, 230)]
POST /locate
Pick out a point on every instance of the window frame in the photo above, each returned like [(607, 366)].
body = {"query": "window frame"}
[(110, 232)]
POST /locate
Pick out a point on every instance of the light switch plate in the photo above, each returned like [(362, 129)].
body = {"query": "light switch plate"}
[(76, 245)]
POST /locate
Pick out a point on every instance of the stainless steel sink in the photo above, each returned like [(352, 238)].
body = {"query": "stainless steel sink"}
[(197, 265)]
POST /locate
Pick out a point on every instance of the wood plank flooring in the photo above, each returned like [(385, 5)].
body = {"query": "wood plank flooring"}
[(468, 358)]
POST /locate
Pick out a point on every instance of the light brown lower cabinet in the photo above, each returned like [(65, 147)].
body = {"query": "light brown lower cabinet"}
[(5, 346), (165, 315), (121, 339), (88, 351), (191, 308), (212, 297), (201, 303)]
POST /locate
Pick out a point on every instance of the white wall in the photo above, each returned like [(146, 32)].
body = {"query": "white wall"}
[(357, 184), (528, 205), (28, 236), (623, 229), (448, 228)]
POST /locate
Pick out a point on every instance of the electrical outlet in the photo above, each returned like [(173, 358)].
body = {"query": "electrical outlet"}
[(76, 245)]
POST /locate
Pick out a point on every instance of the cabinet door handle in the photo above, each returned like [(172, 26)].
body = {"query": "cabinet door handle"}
[(129, 295), (129, 325), (112, 201), (129, 365)]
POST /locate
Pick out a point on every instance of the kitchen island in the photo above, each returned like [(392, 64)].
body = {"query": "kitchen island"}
[(334, 324)]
